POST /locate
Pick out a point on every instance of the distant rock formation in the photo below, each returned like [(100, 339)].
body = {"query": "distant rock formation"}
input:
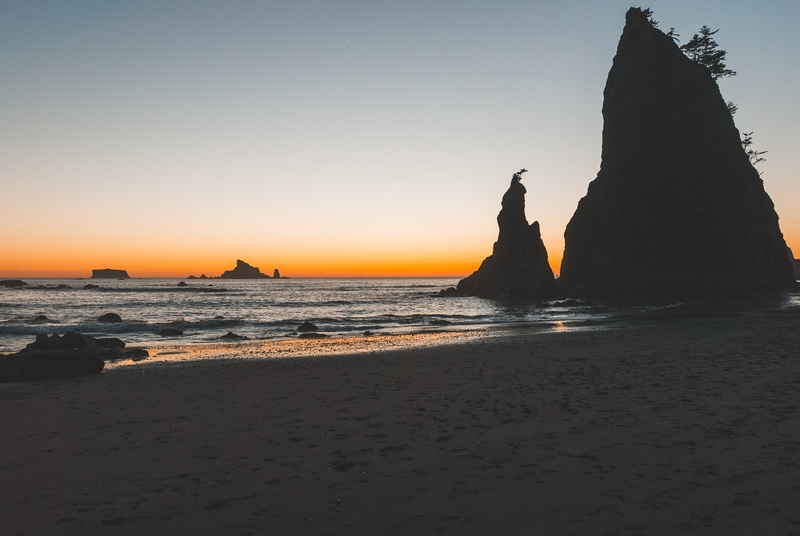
[(517, 267), (108, 273), (276, 274), (676, 210), (195, 277), (244, 271)]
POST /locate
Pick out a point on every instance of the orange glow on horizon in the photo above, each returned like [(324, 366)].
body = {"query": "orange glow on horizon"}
[(31, 261), (182, 267)]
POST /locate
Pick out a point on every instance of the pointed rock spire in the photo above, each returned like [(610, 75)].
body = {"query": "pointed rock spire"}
[(518, 267)]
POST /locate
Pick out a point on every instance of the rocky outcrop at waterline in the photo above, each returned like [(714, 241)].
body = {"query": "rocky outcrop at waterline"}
[(676, 209), (62, 356), (518, 266)]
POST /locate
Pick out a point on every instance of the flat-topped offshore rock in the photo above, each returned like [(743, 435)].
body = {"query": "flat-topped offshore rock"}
[(244, 271), (677, 209), (518, 267), (108, 273)]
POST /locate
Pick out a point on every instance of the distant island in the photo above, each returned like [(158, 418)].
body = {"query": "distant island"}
[(108, 273), (243, 271)]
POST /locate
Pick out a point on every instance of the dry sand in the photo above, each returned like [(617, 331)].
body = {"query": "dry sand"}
[(675, 424)]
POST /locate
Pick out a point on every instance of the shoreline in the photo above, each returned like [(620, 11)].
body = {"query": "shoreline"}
[(188, 352), (659, 426)]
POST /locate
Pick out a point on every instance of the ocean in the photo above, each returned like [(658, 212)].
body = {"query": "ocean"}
[(205, 310)]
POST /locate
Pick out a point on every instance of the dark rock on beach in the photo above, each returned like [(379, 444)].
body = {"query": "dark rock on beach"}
[(518, 266), (170, 332), (112, 318), (12, 283), (89, 286), (234, 337), (136, 354), (108, 273), (40, 318), (677, 209), (244, 271), (110, 342), (40, 365), (182, 284), (312, 336), (71, 354), (61, 356), (69, 341), (307, 327)]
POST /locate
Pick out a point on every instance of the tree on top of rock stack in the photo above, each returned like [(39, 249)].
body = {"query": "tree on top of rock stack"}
[(518, 267), (676, 209)]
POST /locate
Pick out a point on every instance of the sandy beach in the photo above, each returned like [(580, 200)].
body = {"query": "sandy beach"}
[(666, 424)]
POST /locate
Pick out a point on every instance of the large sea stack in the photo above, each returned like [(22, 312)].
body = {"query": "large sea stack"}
[(677, 209), (517, 267)]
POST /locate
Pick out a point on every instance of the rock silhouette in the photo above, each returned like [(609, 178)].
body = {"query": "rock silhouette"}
[(13, 283), (170, 332), (244, 271), (111, 318), (676, 209), (307, 327), (795, 265), (233, 336), (61, 356), (517, 267), (108, 273)]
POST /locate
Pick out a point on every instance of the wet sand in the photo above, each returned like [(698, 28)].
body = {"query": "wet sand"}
[(670, 424)]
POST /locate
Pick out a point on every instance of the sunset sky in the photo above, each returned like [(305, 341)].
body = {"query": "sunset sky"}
[(332, 138)]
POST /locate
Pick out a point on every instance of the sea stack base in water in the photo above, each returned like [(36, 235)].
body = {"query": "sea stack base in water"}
[(518, 266)]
